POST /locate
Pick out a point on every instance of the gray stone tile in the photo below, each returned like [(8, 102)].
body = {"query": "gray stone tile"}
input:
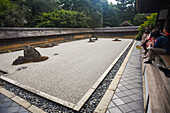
[(128, 92), (140, 94), (22, 109), (115, 110), (140, 102), (135, 97), (134, 106), (130, 82), (137, 85), (138, 77), (1, 96), (111, 105), (131, 112), (117, 90), (114, 97), (129, 86), (124, 83), (126, 99), (122, 88), (107, 111), (121, 80), (131, 78), (138, 80), (139, 111), (126, 76), (24, 112), (120, 94), (120, 85), (124, 79), (14, 104), (8, 100), (14, 109), (118, 101), (5, 104), (4, 110), (2, 100), (135, 90), (125, 108)]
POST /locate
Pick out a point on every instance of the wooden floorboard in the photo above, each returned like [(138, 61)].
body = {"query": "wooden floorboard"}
[(159, 88)]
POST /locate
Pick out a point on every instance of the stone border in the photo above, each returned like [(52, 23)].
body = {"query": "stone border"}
[(103, 105), (40, 93), (82, 101), (21, 101), (143, 77)]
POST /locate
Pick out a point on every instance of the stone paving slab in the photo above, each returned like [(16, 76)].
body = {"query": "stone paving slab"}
[(70, 74), (128, 97), (9, 106), (10, 103)]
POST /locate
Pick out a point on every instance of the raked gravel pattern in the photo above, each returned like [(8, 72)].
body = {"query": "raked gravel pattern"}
[(51, 107), (71, 73)]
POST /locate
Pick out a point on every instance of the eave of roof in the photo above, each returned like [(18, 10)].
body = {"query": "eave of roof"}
[(151, 6)]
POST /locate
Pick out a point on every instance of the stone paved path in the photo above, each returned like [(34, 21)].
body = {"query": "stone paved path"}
[(128, 97), (8, 106)]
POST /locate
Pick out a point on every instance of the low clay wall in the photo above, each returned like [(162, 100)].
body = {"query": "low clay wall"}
[(12, 39), (10, 33)]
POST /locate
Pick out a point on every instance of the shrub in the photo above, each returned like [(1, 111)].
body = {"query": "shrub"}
[(151, 21), (63, 18)]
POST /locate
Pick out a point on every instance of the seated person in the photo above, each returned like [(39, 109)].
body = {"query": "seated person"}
[(161, 46), (148, 41), (144, 40)]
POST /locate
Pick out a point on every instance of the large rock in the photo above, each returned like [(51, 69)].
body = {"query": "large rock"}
[(30, 53), (19, 60)]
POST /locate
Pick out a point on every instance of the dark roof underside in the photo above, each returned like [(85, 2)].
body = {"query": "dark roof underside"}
[(151, 6)]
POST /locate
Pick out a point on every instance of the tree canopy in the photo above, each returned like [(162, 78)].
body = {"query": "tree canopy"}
[(68, 13)]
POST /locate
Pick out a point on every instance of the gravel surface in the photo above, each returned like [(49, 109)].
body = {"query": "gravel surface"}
[(51, 107), (71, 73)]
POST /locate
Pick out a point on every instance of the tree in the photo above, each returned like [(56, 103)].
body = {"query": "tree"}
[(111, 17), (39, 6), (91, 8), (63, 18), (139, 19), (12, 15), (98, 13), (151, 21)]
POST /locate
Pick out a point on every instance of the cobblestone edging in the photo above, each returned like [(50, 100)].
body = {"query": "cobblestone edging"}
[(89, 106)]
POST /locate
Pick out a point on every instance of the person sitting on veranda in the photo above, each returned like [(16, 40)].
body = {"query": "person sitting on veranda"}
[(162, 45), (144, 40), (148, 40)]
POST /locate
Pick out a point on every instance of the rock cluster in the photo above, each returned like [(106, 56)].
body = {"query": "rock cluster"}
[(30, 55), (92, 39), (116, 39)]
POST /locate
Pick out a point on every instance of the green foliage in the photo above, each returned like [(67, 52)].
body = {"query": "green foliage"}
[(139, 19), (63, 18), (111, 18), (93, 9), (117, 14), (12, 15), (96, 13), (151, 21)]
